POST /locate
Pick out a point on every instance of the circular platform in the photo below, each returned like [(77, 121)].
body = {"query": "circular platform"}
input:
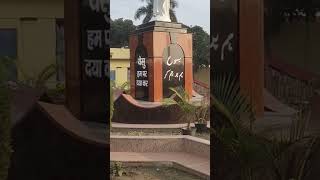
[(131, 111)]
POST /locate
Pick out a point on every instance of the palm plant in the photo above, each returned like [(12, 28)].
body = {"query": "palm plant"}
[(203, 111), (227, 100), (40, 80), (233, 122), (147, 11), (291, 152), (257, 155), (125, 87), (182, 99)]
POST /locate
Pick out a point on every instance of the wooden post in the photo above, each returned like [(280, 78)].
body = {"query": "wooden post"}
[(239, 24), (72, 56), (251, 44)]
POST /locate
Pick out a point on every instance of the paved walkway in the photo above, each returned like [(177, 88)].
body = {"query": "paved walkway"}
[(191, 162), (277, 122), (275, 105)]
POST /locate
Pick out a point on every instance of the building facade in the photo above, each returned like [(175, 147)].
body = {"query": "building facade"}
[(120, 65), (29, 34)]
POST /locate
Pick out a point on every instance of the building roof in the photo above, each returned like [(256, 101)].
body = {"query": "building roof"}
[(120, 53)]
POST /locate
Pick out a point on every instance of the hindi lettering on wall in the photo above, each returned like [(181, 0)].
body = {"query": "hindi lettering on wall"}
[(141, 76), (172, 69), (224, 41), (95, 32)]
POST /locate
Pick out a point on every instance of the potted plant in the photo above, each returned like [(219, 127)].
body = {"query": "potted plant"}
[(182, 99), (202, 114)]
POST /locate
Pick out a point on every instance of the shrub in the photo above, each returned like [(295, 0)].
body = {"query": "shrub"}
[(111, 103)]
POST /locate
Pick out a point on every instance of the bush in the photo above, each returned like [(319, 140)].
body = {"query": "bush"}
[(111, 103)]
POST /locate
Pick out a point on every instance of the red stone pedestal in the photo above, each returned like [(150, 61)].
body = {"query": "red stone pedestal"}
[(156, 37)]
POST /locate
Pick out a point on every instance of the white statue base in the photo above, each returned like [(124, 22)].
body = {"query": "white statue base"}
[(161, 10), (159, 18)]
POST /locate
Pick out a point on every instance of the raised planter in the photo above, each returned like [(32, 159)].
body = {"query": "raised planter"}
[(158, 144), (165, 164)]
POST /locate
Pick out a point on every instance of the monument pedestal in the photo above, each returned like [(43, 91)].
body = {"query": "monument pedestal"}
[(166, 49), (161, 57)]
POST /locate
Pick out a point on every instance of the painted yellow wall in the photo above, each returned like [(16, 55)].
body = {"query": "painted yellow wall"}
[(120, 62), (36, 39), (32, 8)]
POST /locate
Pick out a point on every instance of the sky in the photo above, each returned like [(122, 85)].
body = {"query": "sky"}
[(189, 12)]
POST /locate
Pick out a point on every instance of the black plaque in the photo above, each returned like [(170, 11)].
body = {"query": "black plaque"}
[(95, 26), (224, 37), (173, 69), (142, 75)]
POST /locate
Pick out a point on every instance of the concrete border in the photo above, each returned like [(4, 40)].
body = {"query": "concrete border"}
[(160, 144), (152, 126), (172, 164)]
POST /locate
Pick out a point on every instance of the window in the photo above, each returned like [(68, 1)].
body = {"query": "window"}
[(8, 43), (8, 52), (112, 75)]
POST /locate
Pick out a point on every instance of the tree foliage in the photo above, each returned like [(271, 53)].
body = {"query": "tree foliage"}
[(201, 47), (120, 31)]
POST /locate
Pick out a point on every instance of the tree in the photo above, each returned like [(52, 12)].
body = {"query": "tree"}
[(120, 31), (147, 11), (201, 47)]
